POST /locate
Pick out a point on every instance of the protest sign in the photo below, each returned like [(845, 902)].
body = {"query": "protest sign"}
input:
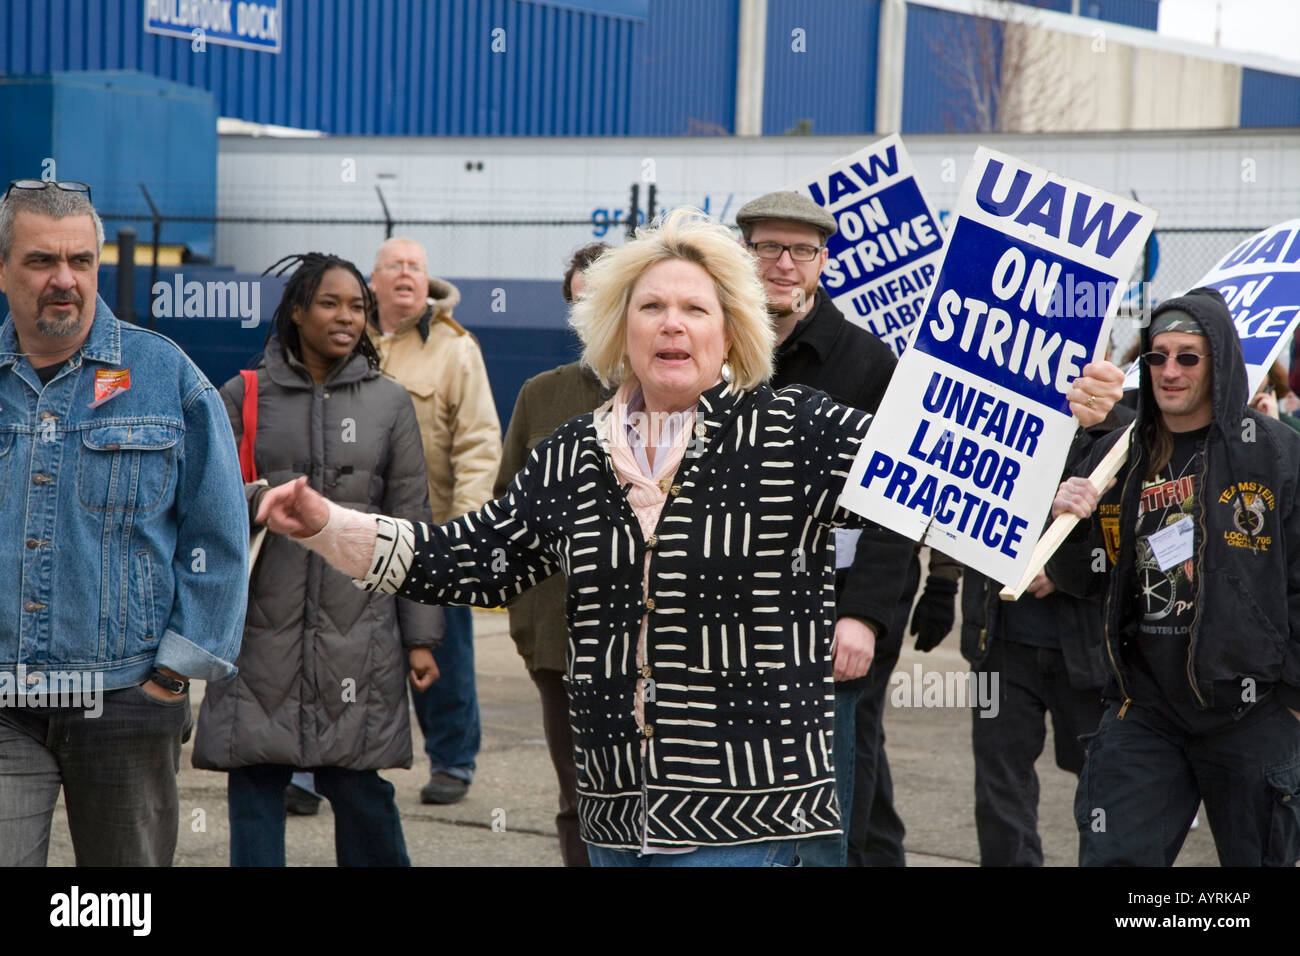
[(884, 257), (968, 445), (1260, 281)]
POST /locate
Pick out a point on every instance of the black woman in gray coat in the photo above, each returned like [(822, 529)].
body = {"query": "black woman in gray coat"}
[(323, 666)]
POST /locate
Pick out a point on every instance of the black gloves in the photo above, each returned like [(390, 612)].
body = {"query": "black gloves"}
[(935, 613)]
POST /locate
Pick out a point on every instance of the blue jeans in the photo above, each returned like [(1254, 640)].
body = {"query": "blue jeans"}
[(448, 711), (767, 853), (832, 849), (118, 775), (367, 827)]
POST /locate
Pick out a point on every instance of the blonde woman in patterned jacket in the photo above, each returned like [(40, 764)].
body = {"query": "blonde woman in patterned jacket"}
[(691, 515)]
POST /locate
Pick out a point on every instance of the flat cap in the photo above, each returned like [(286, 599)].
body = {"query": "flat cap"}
[(788, 207)]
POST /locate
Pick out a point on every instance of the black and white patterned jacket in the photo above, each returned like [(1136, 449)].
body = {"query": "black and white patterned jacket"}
[(741, 609)]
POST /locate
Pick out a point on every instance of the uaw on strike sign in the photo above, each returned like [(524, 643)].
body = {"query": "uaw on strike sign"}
[(886, 252), (1260, 281), (968, 445)]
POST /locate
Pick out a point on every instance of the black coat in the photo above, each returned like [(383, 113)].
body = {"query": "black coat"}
[(829, 353)]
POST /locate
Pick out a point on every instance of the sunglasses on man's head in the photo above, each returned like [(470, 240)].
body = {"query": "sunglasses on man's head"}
[(68, 186), (1186, 359)]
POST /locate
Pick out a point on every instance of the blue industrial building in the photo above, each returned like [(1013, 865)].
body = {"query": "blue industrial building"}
[(545, 67)]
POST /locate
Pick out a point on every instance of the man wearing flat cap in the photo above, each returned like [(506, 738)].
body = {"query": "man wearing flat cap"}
[(819, 348), (1201, 535)]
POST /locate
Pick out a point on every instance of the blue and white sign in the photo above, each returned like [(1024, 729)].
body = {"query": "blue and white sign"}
[(253, 26), (884, 257), (1260, 280), (970, 439)]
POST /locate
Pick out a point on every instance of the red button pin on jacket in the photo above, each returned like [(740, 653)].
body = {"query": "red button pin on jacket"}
[(110, 383)]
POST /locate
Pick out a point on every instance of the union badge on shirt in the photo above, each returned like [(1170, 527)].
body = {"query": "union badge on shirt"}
[(110, 383)]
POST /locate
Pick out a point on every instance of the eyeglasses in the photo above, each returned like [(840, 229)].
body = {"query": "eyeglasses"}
[(799, 252), (1185, 359), (397, 268), (38, 184)]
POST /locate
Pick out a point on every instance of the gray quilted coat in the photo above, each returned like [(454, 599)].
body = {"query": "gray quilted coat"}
[(322, 670)]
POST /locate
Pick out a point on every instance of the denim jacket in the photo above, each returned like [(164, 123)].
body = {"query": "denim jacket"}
[(123, 528)]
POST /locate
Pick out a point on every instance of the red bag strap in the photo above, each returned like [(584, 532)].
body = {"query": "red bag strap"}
[(246, 466)]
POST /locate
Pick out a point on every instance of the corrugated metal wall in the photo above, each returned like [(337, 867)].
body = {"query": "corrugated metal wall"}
[(1269, 99), (1133, 13), (395, 67), (684, 78), (934, 99), (579, 68), (103, 127), (825, 74)]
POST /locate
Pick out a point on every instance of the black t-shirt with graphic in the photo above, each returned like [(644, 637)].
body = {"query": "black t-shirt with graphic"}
[(1166, 598)]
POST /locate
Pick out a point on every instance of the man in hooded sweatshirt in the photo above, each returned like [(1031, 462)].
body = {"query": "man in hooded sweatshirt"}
[(1198, 545)]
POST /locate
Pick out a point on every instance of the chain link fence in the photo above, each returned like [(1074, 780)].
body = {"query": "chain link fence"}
[(1174, 260)]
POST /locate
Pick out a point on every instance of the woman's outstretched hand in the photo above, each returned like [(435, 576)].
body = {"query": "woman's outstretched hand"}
[(293, 509)]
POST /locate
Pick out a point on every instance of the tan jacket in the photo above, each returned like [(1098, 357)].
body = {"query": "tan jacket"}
[(440, 364)]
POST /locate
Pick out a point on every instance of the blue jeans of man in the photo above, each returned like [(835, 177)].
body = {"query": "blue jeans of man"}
[(832, 849), (767, 853), (875, 830), (118, 775), (367, 826), (448, 711)]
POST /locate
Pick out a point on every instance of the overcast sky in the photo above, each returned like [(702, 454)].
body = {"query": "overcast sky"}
[(1256, 26)]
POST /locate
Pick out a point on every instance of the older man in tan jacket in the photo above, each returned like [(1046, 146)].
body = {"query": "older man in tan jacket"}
[(425, 349)]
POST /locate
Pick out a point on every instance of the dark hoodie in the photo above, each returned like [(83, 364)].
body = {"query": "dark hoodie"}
[(1244, 643)]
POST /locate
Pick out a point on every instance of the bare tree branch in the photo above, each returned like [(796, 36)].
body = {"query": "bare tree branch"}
[(1006, 71)]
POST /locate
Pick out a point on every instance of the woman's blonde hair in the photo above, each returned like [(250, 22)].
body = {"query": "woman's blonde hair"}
[(599, 316)]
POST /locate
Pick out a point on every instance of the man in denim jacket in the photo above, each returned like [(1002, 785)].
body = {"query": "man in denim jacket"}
[(123, 547)]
